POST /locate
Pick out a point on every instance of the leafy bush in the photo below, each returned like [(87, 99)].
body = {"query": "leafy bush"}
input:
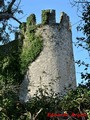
[(42, 103)]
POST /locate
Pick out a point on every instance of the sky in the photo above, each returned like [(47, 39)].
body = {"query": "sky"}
[(35, 6)]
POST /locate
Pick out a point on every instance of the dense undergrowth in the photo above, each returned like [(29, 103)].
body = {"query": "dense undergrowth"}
[(76, 101), (16, 56)]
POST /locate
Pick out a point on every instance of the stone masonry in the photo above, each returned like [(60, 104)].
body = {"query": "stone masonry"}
[(55, 64)]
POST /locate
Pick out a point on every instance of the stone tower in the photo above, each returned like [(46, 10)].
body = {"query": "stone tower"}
[(55, 63)]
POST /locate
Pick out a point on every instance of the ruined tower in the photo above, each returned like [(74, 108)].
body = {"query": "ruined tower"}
[(55, 63)]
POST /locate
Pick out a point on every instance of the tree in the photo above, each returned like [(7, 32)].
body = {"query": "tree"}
[(83, 11), (8, 9), (85, 41)]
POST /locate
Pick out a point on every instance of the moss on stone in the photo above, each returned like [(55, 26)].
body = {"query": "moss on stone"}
[(31, 20), (30, 51), (23, 27), (45, 16), (18, 54)]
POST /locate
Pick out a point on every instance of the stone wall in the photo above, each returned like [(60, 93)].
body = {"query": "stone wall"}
[(55, 64)]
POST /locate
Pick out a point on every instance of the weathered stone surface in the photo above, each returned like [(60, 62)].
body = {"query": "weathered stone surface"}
[(48, 17), (55, 63)]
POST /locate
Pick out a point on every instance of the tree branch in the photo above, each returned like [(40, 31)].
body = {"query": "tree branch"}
[(6, 16), (9, 9), (17, 7), (1, 3), (37, 113), (16, 20), (82, 2)]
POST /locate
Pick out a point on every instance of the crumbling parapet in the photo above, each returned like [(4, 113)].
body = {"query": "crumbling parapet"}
[(23, 27), (48, 17), (31, 20), (64, 21)]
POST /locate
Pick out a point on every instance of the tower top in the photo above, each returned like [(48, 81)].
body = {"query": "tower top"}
[(48, 16)]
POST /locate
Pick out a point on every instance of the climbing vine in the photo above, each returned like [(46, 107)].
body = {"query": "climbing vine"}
[(45, 18), (31, 50), (15, 58)]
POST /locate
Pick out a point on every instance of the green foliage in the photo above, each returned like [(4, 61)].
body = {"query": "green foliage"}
[(75, 99), (30, 51), (48, 103), (84, 40), (14, 60), (84, 28), (31, 20), (86, 18), (12, 109), (23, 27), (16, 56), (42, 103), (45, 15), (9, 62)]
